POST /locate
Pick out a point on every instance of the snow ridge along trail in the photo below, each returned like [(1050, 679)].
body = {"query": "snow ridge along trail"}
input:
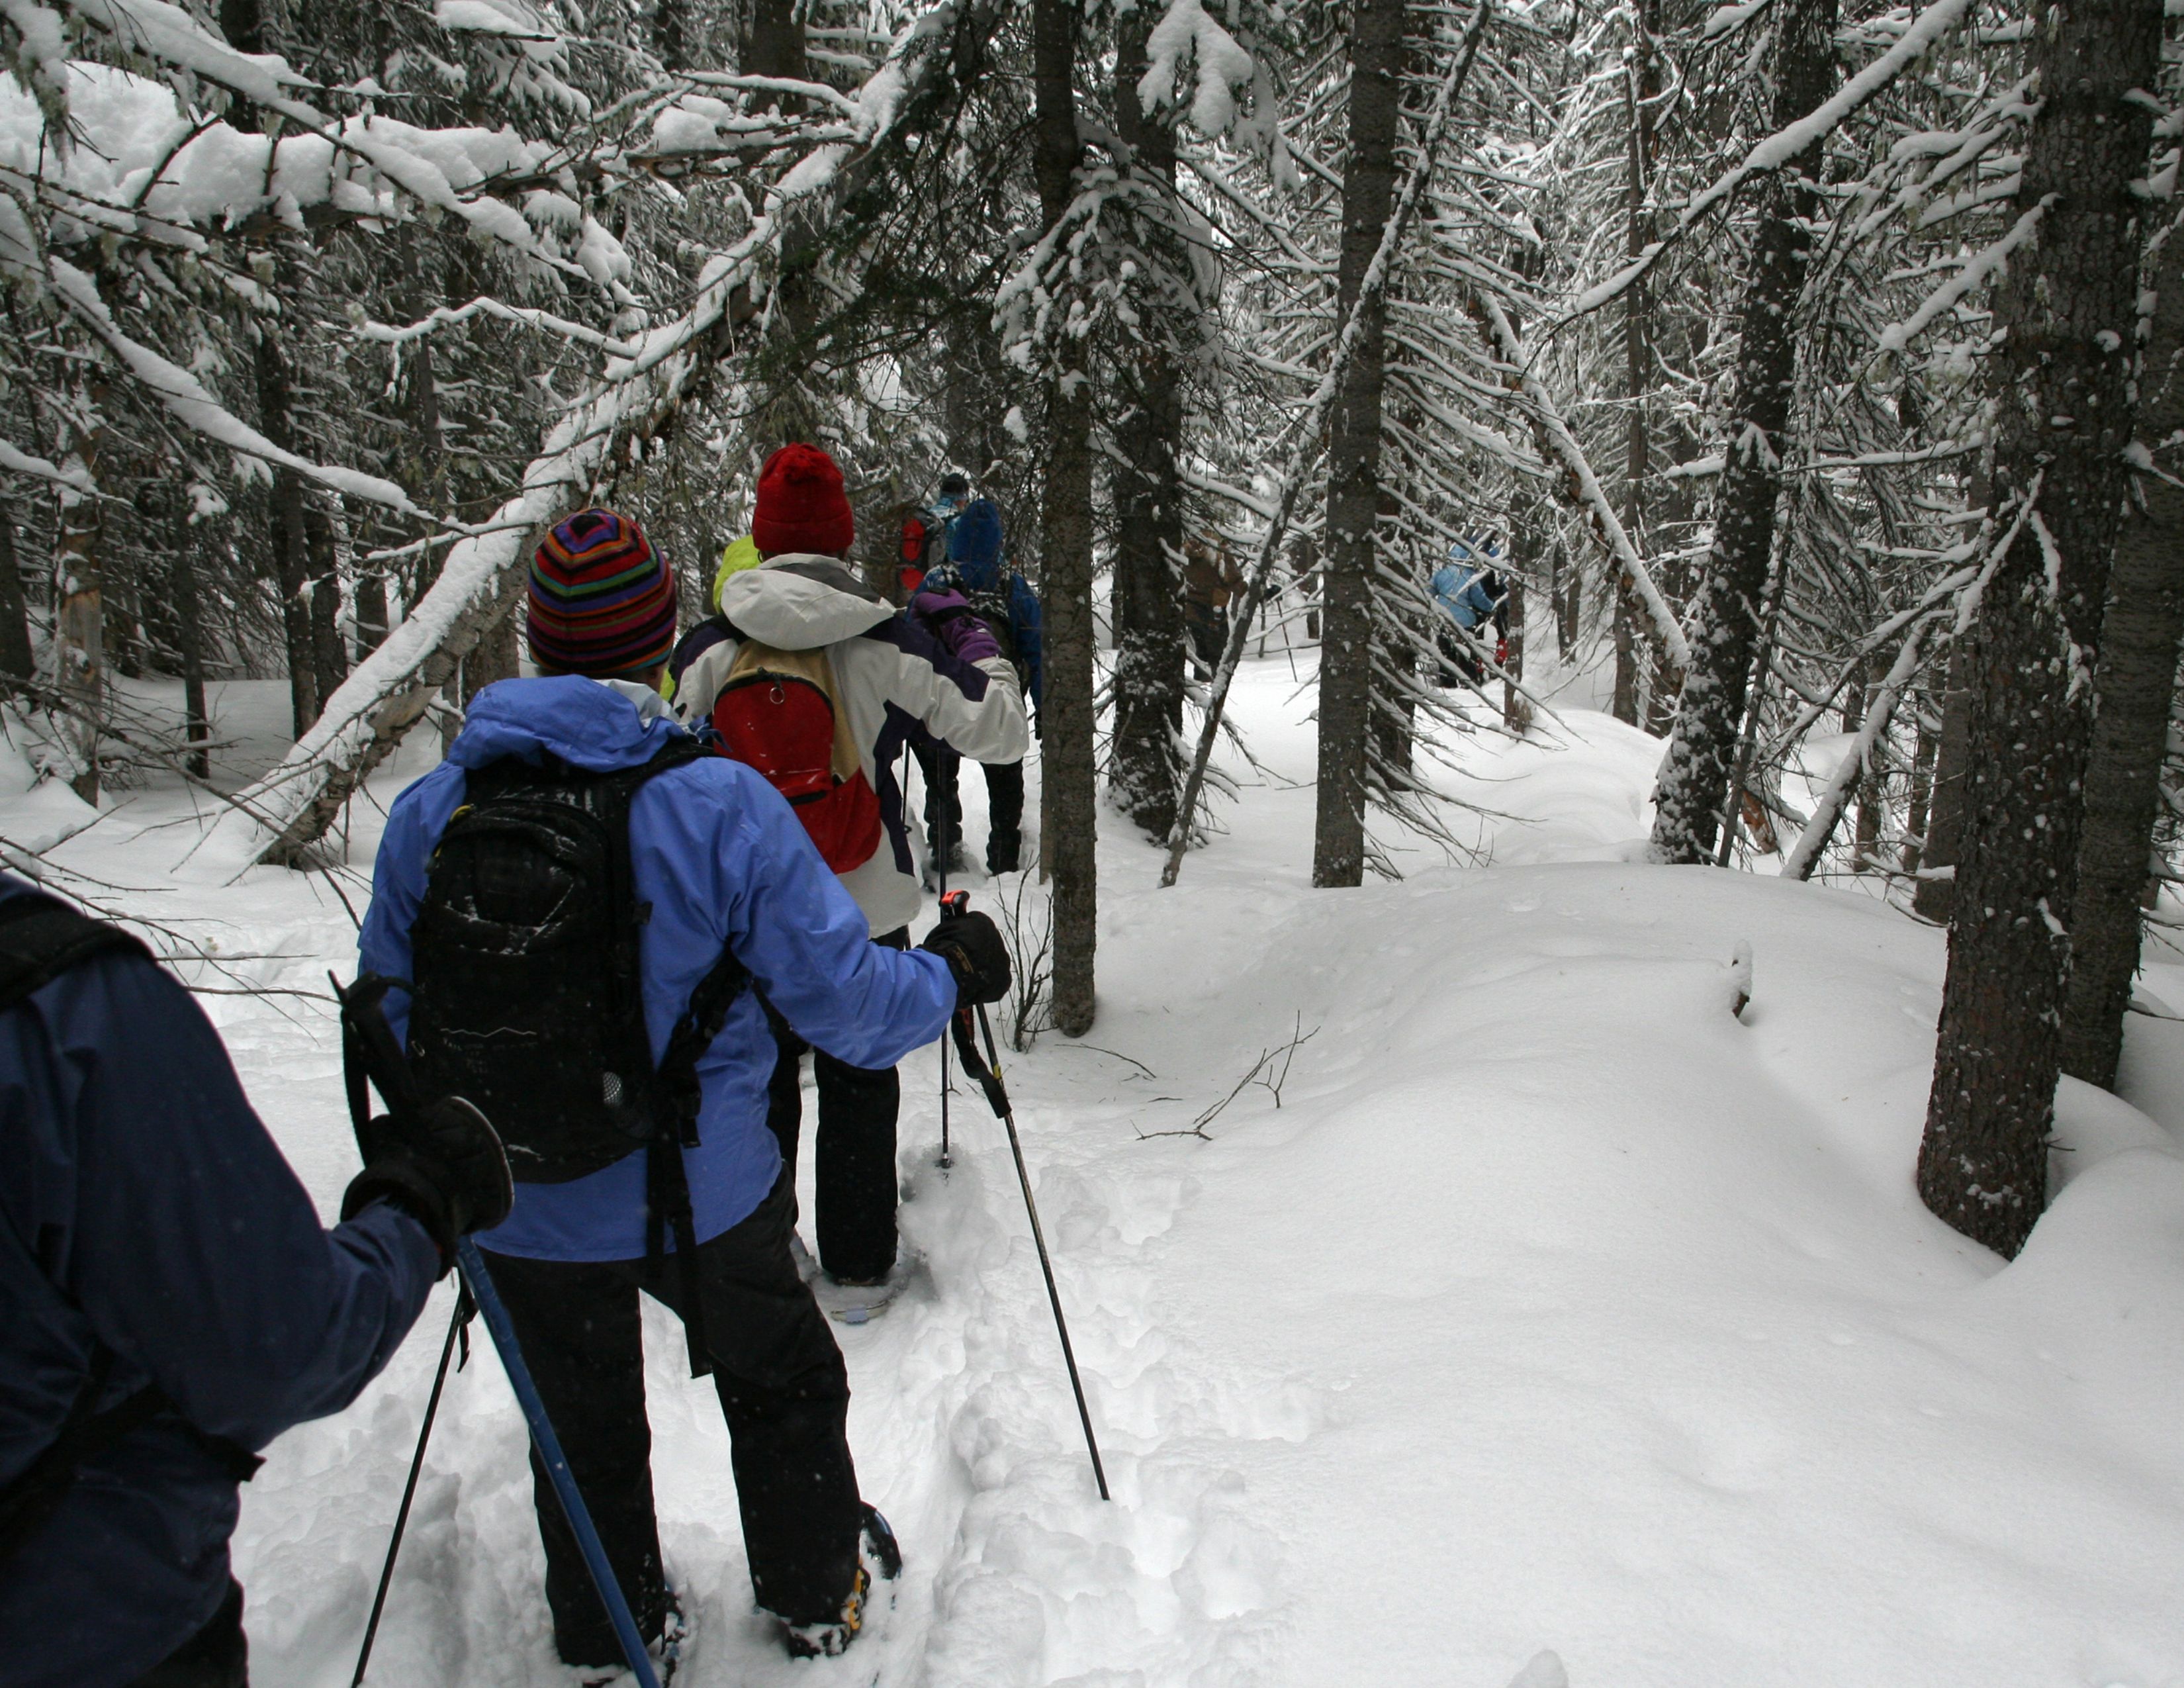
[(1553, 1315)]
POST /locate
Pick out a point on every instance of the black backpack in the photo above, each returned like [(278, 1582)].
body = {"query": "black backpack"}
[(525, 997), (524, 958), (40, 939)]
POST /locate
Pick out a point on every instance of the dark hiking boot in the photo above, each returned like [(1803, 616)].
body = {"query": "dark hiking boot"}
[(877, 1552), (1002, 855), (666, 1652)]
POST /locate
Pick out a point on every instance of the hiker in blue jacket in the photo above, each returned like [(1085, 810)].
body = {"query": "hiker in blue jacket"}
[(978, 568), (168, 1304), (718, 860), (1469, 592)]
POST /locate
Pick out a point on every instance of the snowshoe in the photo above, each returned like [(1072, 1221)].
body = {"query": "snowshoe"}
[(877, 1552), (860, 1303)]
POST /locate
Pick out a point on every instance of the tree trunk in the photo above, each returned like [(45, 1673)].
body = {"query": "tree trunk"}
[(1917, 821), (290, 542), (1936, 898), (189, 636), (493, 658), (1695, 795), (80, 627), (1146, 484), (1354, 495), (775, 44), (372, 611), (1642, 86), (1070, 795), (14, 607), (2067, 313), (2136, 685), (1622, 701), (329, 655)]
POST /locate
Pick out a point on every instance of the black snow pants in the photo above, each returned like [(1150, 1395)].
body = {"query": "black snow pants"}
[(1005, 804), (784, 1390), (854, 1175)]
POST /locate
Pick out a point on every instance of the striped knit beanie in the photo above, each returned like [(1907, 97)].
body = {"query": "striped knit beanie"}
[(601, 602)]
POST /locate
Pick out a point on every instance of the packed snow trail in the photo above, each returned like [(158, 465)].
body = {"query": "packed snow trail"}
[(1553, 1315)]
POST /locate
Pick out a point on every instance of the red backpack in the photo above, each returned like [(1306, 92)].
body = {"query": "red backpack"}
[(776, 714)]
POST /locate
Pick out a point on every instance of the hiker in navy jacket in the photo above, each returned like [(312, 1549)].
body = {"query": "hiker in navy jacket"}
[(718, 860), (978, 568), (149, 1226)]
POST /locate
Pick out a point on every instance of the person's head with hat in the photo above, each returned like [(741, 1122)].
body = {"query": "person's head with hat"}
[(802, 506), (602, 603)]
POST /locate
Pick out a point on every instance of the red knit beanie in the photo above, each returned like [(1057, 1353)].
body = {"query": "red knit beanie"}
[(801, 506)]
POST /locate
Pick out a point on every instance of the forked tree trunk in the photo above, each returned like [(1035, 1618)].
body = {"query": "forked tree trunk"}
[(1147, 484), (1694, 791), (1069, 813), (2067, 315), (1936, 898), (2136, 685), (1354, 494)]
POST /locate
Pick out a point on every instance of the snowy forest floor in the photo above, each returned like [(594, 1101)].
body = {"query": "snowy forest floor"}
[(1548, 1306)]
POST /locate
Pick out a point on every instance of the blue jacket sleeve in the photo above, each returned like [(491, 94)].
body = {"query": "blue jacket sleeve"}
[(807, 943), (414, 826), (193, 1250), (1024, 616)]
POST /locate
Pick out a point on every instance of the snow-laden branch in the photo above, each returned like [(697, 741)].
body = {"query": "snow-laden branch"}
[(1977, 268), (1804, 854), (1305, 425), (1778, 150), (184, 397), (74, 477), (450, 316), (1556, 441), (282, 813)]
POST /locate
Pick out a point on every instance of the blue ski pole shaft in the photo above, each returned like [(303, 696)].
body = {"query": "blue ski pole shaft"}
[(502, 1331)]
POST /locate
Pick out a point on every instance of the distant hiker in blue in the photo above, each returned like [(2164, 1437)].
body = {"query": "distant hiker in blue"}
[(978, 568), (722, 885), (1469, 591), (170, 1303)]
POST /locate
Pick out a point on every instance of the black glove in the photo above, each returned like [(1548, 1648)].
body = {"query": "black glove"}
[(442, 1165), (971, 946)]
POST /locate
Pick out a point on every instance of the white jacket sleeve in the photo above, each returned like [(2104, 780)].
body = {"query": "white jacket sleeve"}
[(976, 709)]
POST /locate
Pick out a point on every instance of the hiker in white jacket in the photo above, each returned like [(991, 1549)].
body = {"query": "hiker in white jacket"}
[(802, 624)]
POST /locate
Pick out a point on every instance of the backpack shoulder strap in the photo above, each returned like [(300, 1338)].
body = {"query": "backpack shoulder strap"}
[(41, 939)]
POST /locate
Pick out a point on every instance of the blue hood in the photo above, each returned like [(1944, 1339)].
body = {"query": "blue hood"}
[(587, 723)]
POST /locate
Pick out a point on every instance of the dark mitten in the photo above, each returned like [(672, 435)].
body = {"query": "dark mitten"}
[(971, 946), (442, 1165)]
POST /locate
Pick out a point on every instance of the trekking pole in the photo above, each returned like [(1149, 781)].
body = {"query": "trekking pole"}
[(502, 1332), (945, 761), (464, 1308), (369, 1050), (987, 1073)]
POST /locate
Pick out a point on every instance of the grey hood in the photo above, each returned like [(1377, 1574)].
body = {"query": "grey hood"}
[(801, 602)]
